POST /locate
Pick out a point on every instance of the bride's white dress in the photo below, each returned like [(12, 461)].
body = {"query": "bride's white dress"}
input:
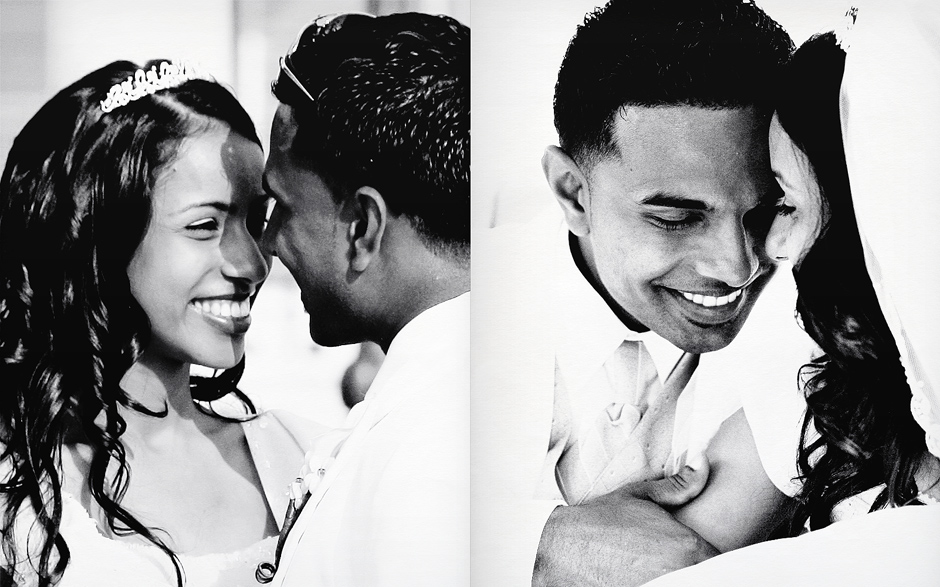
[(277, 441), (891, 131), (100, 561)]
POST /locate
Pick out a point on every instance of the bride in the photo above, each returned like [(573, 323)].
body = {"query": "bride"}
[(130, 212), (864, 265)]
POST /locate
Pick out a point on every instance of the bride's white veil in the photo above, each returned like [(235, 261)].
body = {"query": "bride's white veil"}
[(891, 130)]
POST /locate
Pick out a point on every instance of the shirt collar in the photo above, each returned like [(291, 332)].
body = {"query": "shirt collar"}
[(587, 330)]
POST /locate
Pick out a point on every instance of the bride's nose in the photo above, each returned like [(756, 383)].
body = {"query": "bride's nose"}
[(243, 259)]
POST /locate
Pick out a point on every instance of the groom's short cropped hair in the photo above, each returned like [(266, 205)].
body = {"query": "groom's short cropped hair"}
[(390, 109), (649, 53)]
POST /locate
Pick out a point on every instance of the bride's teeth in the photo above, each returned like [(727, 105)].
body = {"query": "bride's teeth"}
[(223, 308), (687, 296), (241, 309), (723, 300)]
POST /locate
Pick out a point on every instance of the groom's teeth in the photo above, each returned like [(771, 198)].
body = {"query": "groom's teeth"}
[(711, 301), (223, 308)]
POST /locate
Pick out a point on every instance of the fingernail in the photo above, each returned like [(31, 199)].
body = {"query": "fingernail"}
[(696, 462)]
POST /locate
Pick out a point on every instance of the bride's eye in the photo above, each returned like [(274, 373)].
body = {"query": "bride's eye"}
[(205, 225), (784, 210)]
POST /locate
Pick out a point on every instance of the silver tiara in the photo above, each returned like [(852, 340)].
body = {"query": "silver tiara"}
[(143, 83)]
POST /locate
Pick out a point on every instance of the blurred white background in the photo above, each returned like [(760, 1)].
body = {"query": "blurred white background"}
[(47, 44), (518, 46)]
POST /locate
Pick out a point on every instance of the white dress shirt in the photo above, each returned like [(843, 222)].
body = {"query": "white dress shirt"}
[(757, 371), (393, 508), (522, 274), (587, 333)]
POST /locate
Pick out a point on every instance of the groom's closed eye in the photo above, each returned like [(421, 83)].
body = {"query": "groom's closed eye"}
[(671, 212)]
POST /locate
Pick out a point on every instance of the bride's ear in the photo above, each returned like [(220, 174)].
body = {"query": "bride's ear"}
[(570, 186)]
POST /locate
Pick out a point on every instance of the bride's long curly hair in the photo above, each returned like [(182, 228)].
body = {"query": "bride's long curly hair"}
[(857, 397), (75, 201)]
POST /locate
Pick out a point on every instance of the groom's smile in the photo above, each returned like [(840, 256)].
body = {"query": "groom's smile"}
[(718, 307)]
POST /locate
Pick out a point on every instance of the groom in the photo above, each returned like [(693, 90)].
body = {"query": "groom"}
[(369, 170), (610, 345)]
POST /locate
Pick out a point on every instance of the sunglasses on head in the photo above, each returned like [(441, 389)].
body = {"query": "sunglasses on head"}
[(322, 25)]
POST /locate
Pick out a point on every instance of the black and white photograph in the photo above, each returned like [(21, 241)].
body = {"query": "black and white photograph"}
[(223, 225), (238, 245), (701, 339)]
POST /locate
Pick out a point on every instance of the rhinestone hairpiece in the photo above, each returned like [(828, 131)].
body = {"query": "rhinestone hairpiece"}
[(143, 83)]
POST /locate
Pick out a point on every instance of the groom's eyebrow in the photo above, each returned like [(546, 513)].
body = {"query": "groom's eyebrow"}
[(673, 201)]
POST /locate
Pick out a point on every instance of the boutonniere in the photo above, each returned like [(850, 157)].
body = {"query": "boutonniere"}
[(315, 467), (311, 474)]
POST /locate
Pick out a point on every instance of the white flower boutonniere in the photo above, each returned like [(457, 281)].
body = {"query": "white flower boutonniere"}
[(311, 474)]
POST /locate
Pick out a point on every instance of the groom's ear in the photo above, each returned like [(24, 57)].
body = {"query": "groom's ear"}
[(570, 186), (368, 219)]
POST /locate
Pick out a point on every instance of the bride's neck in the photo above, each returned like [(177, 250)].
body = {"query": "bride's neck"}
[(161, 386)]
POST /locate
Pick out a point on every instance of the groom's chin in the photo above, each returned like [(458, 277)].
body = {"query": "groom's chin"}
[(330, 335)]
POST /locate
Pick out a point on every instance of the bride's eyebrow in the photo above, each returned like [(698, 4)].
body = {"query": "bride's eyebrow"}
[(217, 204)]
